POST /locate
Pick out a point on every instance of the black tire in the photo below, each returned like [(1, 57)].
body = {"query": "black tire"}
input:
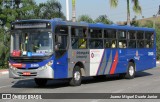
[(130, 71), (40, 82), (76, 77)]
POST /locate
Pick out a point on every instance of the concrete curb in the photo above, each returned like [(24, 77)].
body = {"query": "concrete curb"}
[(5, 71)]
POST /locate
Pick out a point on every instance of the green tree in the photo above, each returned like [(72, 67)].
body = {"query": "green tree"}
[(51, 9), (16, 10), (157, 28), (26, 9), (85, 18), (136, 8), (104, 19), (158, 42)]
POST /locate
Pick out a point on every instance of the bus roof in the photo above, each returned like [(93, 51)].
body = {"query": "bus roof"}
[(120, 27), (58, 21)]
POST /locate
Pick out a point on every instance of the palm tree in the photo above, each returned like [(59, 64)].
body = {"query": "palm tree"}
[(74, 10), (136, 8)]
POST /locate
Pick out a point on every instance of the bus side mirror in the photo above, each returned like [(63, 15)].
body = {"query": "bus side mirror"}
[(58, 42), (59, 39)]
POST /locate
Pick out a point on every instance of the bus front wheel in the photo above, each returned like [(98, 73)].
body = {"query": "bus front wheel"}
[(131, 71), (40, 82), (76, 77)]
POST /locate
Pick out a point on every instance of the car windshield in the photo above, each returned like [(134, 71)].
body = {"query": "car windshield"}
[(31, 44)]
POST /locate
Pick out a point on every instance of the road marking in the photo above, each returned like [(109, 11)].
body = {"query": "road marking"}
[(5, 86)]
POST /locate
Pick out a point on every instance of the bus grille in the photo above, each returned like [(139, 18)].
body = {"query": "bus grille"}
[(28, 68)]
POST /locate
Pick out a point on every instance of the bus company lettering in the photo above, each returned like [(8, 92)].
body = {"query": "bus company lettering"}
[(81, 54)]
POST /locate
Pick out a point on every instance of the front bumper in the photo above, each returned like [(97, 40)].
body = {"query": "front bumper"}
[(46, 72)]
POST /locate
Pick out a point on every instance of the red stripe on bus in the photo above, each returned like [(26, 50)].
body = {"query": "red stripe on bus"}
[(114, 65)]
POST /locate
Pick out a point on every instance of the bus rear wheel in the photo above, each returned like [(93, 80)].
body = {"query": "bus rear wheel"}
[(76, 77), (40, 82), (130, 71)]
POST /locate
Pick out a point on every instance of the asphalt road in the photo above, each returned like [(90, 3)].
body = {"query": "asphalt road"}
[(145, 82)]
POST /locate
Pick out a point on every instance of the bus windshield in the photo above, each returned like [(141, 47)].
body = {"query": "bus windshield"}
[(31, 43)]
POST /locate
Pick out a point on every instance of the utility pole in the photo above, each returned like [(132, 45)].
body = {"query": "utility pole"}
[(74, 10), (67, 10)]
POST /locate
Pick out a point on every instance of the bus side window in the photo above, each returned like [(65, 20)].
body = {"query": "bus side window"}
[(96, 44), (149, 39), (122, 42), (79, 37), (141, 44), (141, 40), (131, 39), (110, 38)]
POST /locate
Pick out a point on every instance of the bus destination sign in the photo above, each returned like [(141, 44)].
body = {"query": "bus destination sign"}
[(30, 25)]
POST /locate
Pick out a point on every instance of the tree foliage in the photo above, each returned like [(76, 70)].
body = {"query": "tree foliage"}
[(28, 9), (51, 9), (103, 19), (136, 7), (113, 3), (85, 18)]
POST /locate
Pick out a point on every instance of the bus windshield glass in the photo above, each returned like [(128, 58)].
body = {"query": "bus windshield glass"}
[(31, 43)]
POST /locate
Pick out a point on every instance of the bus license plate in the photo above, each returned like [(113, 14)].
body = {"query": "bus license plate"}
[(26, 73)]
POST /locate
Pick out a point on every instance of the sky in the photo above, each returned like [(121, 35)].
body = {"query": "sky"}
[(95, 8)]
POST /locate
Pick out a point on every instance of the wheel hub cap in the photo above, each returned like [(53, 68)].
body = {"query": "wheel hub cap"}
[(77, 75), (131, 70)]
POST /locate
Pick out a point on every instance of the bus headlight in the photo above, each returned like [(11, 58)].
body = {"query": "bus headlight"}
[(43, 67), (12, 67), (49, 64)]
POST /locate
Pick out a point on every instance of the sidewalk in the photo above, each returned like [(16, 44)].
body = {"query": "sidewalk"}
[(3, 71), (158, 62)]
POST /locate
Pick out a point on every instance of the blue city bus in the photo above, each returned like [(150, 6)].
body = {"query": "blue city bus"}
[(57, 49)]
